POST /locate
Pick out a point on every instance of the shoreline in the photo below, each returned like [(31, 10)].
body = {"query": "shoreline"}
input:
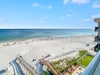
[(38, 48), (43, 38)]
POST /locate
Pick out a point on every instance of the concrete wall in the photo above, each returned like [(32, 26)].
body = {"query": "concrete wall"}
[(98, 24), (98, 34)]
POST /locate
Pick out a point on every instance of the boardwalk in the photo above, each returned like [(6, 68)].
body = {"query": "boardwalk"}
[(28, 69), (49, 66)]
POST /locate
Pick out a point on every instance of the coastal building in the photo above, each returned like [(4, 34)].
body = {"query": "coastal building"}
[(97, 38), (94, 67)]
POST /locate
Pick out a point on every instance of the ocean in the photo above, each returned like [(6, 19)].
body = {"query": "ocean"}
[(22, 34)]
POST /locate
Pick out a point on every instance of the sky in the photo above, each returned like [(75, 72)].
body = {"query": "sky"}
[(49, 13)]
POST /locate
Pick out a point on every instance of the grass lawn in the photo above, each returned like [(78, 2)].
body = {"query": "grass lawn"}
[(86, 60)]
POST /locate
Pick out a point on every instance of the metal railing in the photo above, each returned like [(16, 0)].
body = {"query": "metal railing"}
[(96, 28), (94, 67), (97, 39)]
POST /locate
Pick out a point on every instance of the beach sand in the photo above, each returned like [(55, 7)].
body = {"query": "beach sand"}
[(38, 48)]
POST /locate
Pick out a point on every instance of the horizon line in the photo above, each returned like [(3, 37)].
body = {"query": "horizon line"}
[(46, 28)]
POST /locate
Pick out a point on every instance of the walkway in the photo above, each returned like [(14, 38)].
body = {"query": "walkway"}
[(28, 69), (50, 66), (16, 67)]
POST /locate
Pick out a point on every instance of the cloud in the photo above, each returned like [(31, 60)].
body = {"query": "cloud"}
[(64, 17), (66, 1), (49, 7), (96, 16), (80, 1), (77, 1), (1, 19), (42, 6), (96, 4), (35, 5), (86, 20), (68, 15)]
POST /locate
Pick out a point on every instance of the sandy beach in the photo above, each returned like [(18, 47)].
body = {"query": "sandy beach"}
[(38, 48)]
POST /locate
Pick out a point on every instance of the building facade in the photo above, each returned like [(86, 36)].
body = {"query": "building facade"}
[(94, 67), (97, 38)]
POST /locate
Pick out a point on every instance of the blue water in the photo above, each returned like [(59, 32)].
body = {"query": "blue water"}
[(19, 34)]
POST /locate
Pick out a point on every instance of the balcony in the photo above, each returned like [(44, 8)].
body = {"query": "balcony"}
[(97, 48), (97, 39), (94, 67), (97, 29)]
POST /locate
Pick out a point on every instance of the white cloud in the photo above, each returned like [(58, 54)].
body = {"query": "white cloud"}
[(66, 1), (96, 16), (64, 17), (68, 15), (42, 6), (77, 1), (1, 19), (35, 4), (49, 7), (96, 4), (86, 20), (80, 1)]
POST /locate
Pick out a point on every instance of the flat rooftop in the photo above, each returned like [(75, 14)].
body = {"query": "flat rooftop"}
[(97, 20)]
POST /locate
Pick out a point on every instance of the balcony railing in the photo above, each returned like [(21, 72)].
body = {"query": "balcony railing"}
[(94, 67), (97, 28), (97, 48), (97, 39)]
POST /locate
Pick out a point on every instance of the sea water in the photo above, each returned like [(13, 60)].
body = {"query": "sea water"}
[(20, 34)]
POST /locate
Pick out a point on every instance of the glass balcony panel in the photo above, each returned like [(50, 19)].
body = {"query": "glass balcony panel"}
[(97, 29), (97, 39), (97, 48)]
